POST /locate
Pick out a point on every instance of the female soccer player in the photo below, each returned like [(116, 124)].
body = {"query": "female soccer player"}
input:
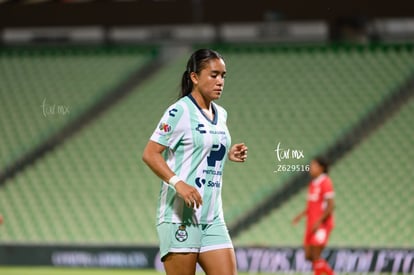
[(187, 151), (319, 213)]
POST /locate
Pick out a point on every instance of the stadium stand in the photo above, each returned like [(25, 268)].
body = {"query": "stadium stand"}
[(95, 189), (373, 195), (87, 190), (308, 97), (42, 89)]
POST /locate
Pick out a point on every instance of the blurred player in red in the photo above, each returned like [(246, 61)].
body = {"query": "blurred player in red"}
[(319, 214)]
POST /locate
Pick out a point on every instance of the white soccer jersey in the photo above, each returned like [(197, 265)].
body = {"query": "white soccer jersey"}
[(196, 151)]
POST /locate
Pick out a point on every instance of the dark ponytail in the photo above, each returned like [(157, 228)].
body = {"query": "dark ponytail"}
[(186, 84), (196, 63)]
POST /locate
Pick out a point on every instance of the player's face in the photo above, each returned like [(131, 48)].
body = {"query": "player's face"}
[(210, 81), (315, 169)]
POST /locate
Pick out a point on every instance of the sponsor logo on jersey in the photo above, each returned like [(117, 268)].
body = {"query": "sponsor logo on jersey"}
[(314, 194), (313, 197), (212, 172), (200, 182), (200, 128), (172, 112), (214, 132), (164, 127), (217, 154)]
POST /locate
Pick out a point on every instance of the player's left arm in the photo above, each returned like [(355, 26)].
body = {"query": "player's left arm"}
[(238, 152), (330, 205), (328, 194)]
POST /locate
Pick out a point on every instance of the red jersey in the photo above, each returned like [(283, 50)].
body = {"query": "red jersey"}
[(320, 189)]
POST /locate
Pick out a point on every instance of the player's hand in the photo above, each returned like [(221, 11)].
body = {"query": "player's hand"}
[(1, 219), (189, 194), (238, 152), (316, 226), (296, 219)]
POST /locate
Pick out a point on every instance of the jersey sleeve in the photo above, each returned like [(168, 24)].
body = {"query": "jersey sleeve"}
[(170, 129), (327, 189)]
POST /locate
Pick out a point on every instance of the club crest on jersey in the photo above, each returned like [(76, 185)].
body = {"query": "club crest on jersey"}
[(181, 234), (164, 127)]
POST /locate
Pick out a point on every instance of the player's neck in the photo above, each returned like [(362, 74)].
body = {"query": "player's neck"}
[(202, 102), (318, 176), (209, 113)]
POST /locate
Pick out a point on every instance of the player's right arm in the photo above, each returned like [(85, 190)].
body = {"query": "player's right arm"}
[(299, 216), (152, 156)]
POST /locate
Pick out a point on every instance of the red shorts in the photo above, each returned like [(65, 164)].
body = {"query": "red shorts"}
[(319, 238)]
